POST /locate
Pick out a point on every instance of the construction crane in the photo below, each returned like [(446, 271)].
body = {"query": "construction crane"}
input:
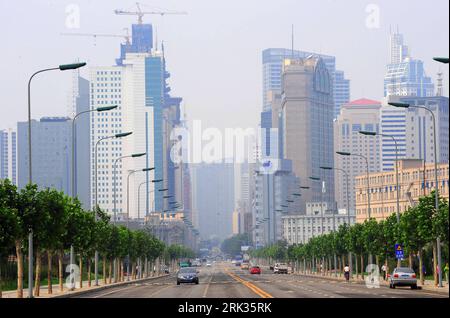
[(96, 35), (141, 13)]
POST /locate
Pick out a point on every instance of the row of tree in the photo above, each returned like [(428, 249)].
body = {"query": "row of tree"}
[(417, 230), (58, 222)]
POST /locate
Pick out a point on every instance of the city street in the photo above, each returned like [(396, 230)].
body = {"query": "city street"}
[(223, 280)]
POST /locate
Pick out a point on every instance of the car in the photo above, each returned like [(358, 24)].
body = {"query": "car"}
[(187, 275), (280, 268), (403, 276), (244, 266), (208, 264), (233, 262), (255, 270)]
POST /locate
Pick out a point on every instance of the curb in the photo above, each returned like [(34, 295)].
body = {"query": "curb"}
[(87, 291), (360, 282)]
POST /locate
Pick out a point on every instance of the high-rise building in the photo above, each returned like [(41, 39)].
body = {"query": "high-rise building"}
[(82, 143), (420, 131), (8, 155), (307, 118), (213, 199), (141, 41), (393, 127), (341, 91), (273, 60), (272, 190), (361, 114), (51, 142), (405, 76)]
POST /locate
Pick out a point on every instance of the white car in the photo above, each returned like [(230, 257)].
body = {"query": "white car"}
[(208, 264), (280, 268)]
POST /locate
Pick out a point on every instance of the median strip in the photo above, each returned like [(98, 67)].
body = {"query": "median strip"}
[(251, 286)]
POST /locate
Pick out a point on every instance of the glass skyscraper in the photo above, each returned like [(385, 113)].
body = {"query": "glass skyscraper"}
[(405, 76)]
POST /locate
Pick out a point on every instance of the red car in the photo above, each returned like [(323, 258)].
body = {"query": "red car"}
[(255, 270)]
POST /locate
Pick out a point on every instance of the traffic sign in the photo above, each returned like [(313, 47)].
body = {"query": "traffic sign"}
[(399, 251)]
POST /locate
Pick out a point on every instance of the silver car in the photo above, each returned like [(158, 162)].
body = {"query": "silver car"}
[(403, 276)]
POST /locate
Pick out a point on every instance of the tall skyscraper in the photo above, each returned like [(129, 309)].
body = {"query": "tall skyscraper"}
[(8, 155), (307, 116), (82, 143), (361, 114), (341, 91), (393, 126), (405, 76), (272, 190), (51, 142), (141, 41), (213, 199), (419, 128), (273, 67)]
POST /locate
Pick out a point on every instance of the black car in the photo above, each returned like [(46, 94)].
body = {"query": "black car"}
[(187, 275)]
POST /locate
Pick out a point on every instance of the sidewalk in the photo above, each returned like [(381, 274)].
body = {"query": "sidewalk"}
[(67, 292), (428, 285)]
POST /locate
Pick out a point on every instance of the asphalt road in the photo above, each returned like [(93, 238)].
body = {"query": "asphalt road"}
[(226, 281)]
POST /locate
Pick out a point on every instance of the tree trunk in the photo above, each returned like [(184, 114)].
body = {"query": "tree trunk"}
[(410, 260), (110, 271), (421, 274), (60, 270), (19, 256), (356, 266), (37, 282), (89, 271), (377, 260), (0, 280), (435, 264), (104, 270), (133, 270), (362, 266), (49, 273), (341, 270), (81, 271)]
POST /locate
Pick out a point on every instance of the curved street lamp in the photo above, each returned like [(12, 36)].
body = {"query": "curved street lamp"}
[(63, 67), (436, 181)]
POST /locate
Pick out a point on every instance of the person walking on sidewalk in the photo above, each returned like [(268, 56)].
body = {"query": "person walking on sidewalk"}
[(383, 269), (347, 272)]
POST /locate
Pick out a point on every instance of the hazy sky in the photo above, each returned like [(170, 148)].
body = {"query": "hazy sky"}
[(214, 52)]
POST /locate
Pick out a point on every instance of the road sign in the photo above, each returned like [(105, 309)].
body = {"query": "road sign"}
[(399, 251)]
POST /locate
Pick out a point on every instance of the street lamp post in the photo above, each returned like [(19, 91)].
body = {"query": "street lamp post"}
[(128, 210), (436, 195), (74, 184), (121, 135), (372, 133), (63, 67), (348, 211), (369, 214), (136, 155), (321, 205), (139, 194)]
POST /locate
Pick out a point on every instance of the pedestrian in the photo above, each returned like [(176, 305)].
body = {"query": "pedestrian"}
[(383, 269), (347, 272), (446, 272), (424, 270)]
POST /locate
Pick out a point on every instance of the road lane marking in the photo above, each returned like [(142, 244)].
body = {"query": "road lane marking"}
[(114, 291), (251, 286), (207, 286)]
